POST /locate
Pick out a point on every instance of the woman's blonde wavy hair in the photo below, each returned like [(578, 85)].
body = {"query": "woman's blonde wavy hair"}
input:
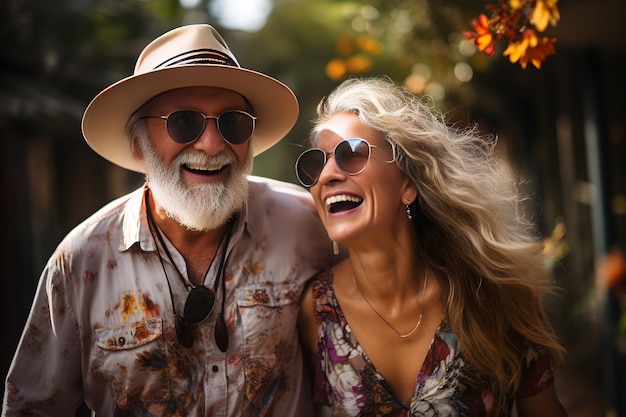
[(470, 228)]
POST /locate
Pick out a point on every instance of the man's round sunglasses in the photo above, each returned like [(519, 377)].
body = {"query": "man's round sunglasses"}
[(186, 126), (351, 157)]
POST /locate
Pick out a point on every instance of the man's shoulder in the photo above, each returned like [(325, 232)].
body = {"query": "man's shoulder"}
[(269, 189), (106, 218), (115, 207)]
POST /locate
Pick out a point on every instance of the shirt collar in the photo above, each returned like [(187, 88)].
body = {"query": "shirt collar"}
[(135, 228), (135, 223)]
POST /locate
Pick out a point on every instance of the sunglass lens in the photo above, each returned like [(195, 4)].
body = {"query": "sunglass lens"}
[(352, 155), (199, 304), (184, 333), (309, 166), (236, 127), (185, 126)]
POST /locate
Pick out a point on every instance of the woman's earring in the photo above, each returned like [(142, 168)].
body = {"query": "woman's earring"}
[(408, 212), (335, 248)]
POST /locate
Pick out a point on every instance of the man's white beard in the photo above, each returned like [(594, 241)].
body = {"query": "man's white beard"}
[(200, 207)]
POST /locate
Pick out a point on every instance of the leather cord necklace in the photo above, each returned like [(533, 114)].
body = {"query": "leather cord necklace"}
[(201, 299), (402, 335)]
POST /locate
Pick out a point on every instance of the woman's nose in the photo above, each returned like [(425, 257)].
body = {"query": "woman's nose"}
[(330, 171)]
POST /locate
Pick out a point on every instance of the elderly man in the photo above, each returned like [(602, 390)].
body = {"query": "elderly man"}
[(180, 298)]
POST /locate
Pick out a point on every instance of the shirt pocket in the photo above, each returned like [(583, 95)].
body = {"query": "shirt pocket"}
[(267, 313), (131, 359)]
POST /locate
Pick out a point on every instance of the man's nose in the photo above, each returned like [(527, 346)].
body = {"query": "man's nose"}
[(210, 141)]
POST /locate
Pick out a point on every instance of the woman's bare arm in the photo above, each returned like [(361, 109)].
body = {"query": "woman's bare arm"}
[(307, 327), (544, 404)]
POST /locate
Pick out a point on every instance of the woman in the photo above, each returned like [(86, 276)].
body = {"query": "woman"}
[(437, 309)]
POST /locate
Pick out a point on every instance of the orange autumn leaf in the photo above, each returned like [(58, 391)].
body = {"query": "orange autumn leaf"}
[(516, 50), (545, 12), (537, 54), (483, 38), (336, 69), (481, 25), (530, 49), (369, 45), (340, 67), (486, 44), (518, 21), (358, 63)]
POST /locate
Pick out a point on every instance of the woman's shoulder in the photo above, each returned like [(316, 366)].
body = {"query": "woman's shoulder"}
[(321, 285), (331, 281)]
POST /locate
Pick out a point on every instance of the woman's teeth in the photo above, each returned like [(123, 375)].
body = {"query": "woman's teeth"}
[(342, 202)]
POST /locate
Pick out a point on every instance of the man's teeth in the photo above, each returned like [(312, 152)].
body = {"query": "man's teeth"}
[(342, 198), (203, 168)]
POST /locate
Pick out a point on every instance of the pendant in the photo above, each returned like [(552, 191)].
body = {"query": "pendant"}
[(199, 304)]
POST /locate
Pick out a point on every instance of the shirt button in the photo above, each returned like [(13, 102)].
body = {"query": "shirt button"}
[(215, 368)]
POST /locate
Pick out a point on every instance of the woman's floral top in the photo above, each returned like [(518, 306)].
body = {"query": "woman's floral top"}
[(347, 380)]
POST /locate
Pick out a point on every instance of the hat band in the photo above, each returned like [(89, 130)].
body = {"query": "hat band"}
[(199, 56)]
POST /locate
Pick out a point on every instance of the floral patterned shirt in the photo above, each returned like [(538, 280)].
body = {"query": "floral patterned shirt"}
[(346, 379), (101, 329)]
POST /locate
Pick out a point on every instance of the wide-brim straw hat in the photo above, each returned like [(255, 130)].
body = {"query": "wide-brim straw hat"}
[(188, 56)]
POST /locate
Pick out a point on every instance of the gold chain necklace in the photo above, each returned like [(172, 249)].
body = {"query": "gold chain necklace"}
[(402, 335)]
